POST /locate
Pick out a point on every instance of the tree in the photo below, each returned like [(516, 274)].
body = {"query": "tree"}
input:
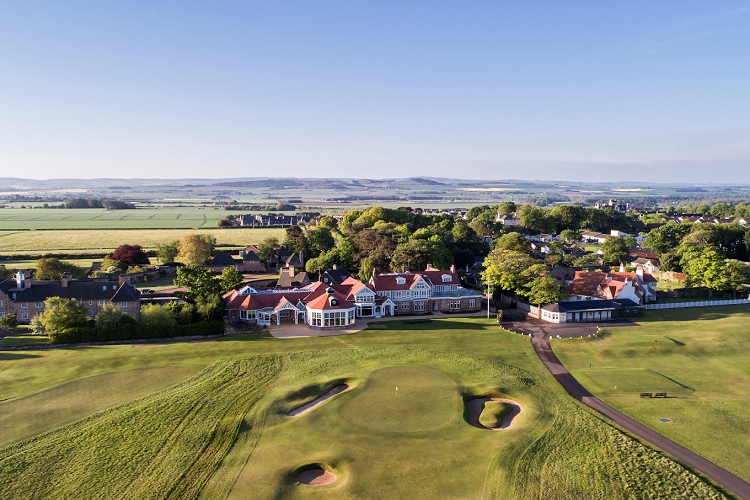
[(130, 255), (462, 232), (319, 240), (670, 261), (196, 249), (267, 248), (366, 268), (735, 275), (665, 238), (484, 224), (200, 281), (615, 250), (8, 322), (412, 254), (505, 269), (60, 314), (231, 279), (515, 242), (154, 317), (533, 218), (112, 266), (295, 239), (570, 236), (542, 290), (48, 268), (210, 307), (110, 316), (167, 252), (328, 222), (569, 216)]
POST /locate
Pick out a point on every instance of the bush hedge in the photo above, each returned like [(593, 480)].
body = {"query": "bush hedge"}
[(135, 331)]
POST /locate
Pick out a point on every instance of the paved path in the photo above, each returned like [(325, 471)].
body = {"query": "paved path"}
[(540, 334)]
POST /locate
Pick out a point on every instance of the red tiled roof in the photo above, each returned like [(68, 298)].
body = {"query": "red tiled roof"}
[(384, 282), (324, 302)]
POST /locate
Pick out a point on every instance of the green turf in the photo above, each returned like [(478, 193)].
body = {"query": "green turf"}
[(225, 432), (701, 359), (493, 414), (426, 399)]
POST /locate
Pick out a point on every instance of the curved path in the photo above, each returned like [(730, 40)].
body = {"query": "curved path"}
[(540, 333)]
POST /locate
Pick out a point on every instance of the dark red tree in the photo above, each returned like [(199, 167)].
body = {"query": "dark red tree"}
[(130, 255)]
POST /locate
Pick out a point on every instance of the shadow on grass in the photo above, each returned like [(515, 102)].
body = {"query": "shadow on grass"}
[(695, 313), (686, 387), (676, 341), (10, 356)]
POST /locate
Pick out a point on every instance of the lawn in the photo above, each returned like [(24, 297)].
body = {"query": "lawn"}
[(106, 240), (699, 357), (212, 421)]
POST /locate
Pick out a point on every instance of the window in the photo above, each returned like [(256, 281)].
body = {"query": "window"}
[(447, 278), (91, 302), (38, 304), (114, 287), (123, 304), (400, 281), (404, 306), (24, 305), (419, 306), (24, 315), (472, 302), (2, 314), (89, 313), (101, 302), (1, 303), (104, 287), (455, 304)]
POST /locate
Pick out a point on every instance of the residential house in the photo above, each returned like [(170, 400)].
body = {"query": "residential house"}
[(25, 297), (593, 237), (289, 278), (251, 262), (508, 220), (334, 276), (429, 290)]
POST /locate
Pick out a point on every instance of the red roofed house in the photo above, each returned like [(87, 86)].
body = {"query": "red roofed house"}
[(639, 287), (318, 304), (429, 290)]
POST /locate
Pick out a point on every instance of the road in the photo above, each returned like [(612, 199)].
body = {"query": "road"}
[(540, 335)]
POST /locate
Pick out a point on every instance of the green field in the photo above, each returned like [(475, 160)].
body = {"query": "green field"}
[(93, 218), (701, 359), (209, 419), (106, 240)]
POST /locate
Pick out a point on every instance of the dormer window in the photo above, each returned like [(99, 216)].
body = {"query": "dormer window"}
[(447, 278), (400, 281), (104, 287)]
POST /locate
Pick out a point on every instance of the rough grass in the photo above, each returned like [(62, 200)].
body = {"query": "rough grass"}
[(700, 359), (225, 431), (164, 445), (109, 239), (493, 413)]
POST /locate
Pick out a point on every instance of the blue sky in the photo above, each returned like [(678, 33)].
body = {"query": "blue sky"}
[(604, 91)]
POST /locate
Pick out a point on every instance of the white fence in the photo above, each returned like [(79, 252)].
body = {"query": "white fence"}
[(699, 303)]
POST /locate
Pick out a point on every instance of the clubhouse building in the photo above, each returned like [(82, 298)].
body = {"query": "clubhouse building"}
[(339, 305)]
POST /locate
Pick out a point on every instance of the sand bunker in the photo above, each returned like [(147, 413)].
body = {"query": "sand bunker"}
[(315, 402), (316, 477), (475, 407)]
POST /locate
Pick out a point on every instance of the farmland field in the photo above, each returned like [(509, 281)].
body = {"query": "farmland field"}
[(699, 357), (90, 218), (216, 426), (107, 240)]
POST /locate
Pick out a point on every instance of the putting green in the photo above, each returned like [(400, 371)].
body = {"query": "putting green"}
[(426, 399)]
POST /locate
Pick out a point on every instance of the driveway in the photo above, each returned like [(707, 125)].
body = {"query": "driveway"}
[(540, 334)]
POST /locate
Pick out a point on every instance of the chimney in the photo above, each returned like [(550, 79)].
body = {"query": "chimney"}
[(291, 271), (334, 267), (405, 269), (123, 279), (453, 268), (66, 277), (639, 271), (20, 279), (622, 267), (429, 267)]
